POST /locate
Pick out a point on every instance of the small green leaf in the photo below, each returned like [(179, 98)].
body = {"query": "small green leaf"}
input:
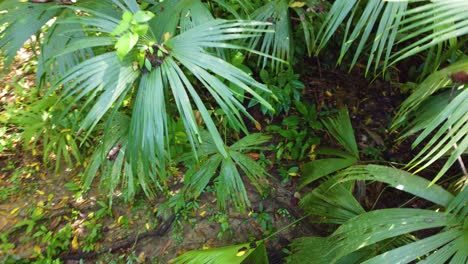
[(264, 76), (140, 29), (121, 28), (148, 65), (125, 43), (143, 16), (127, 16), (291, 121)]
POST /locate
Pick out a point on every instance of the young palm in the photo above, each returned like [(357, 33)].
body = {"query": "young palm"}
[(154, 61)]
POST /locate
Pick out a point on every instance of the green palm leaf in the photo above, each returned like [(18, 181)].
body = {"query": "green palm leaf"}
[(437, 21), (228, 181), (405, 254), (333, 203), (17, 17), (398, 179), (382, 230), (341, 129), (448, 126), (279, 42), (254, 252)]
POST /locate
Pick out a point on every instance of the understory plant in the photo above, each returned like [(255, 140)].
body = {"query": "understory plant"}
[(136, 70), (384, 235)]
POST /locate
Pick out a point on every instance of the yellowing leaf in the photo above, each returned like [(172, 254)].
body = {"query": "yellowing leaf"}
[(328, 93), (297, 4), (119, 220), (166, 36), (141, 257), (203, 213), (14, 211), (241, 252), (40, 192), (75, 245), (37, 249), (147, 226), (293, 174), (258, 126)]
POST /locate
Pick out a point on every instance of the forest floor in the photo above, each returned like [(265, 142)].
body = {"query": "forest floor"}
[(36, 204)]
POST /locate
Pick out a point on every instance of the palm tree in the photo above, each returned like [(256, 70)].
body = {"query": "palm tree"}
[(155, 61)]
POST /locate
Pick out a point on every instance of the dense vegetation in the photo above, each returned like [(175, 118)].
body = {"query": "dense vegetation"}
[(180, 98)]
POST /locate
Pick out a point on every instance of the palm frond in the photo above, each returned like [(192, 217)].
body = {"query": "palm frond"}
[(278, 43), (432, 84), (447, 127), (103, 79), (170, 14), (114, 170), (450, 240), (316, 169), (341, 129), (17, 17), (333, 203), (310, 250), (375, 226), (386, 14), (228, 181), (437, 21), (254, 252), (149, 125), (398, 179), (51, 65), (452, 124)]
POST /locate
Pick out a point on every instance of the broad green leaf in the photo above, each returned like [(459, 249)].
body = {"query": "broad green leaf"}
[(400, 180), (143, 16), (254, 252), (140, 29), (127, 16), (125, 43)]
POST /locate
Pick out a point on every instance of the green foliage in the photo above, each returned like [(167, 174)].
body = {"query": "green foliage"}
[(367, 231), (388, 24), (340, 128), (280, 43), (297, 133), (437, 108), (118, 56), (42, 121), (225, 171), (253, 252), (286, 87)]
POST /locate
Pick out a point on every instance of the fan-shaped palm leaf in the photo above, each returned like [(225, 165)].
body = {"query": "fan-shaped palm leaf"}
[(228, 181), (341, 129), (360, 233)]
